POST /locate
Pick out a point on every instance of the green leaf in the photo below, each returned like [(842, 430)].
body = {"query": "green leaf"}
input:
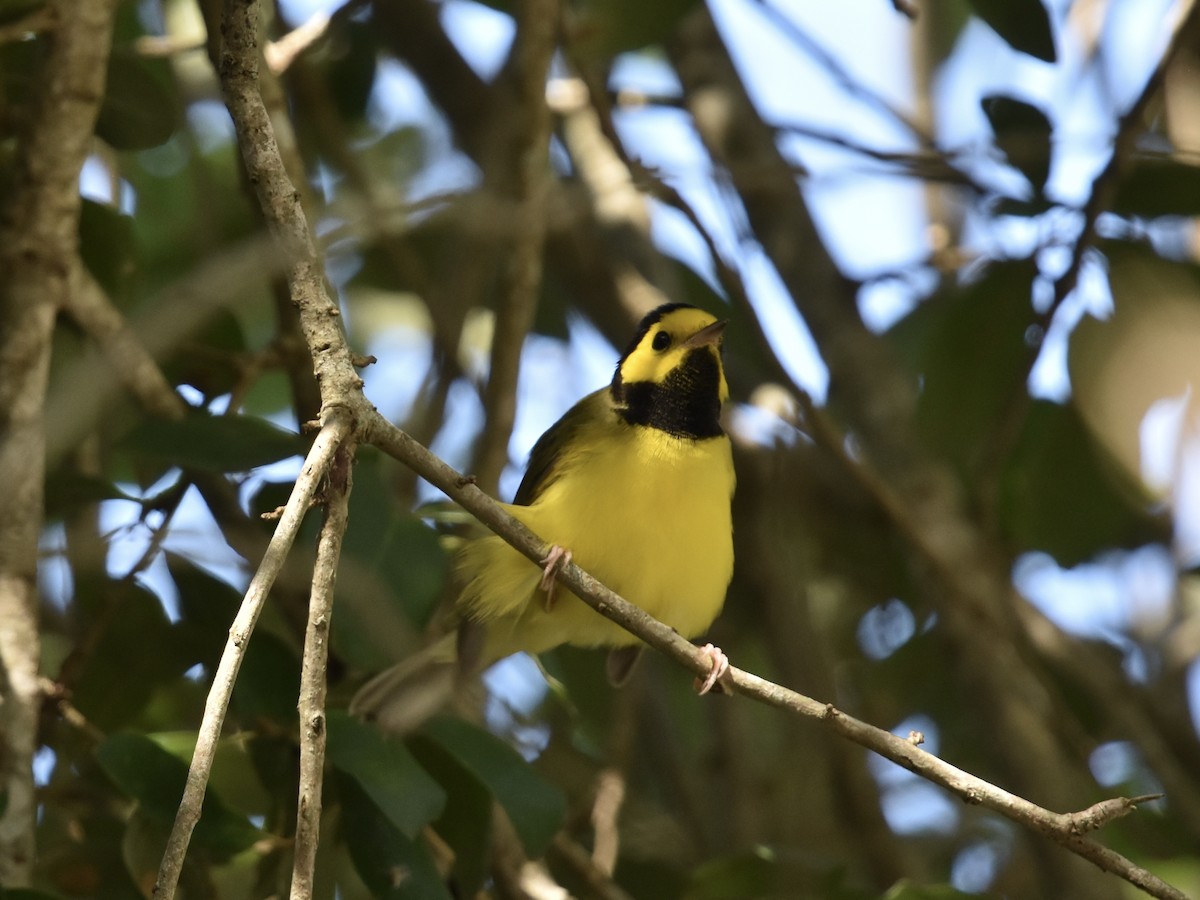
[(27, 894), (390, 863), (1023, 136), (68, 489), (1024, 25), (1158, 186), (907, 890), (747, 874), (466, 822), (204, 359), (268, 683), (393, 572), (143, 770), (967, 345), (107, 246), (136, 651), (1060, 494), (389, 774), (535, 807), (140, 109), (605, 28), (215, 443), (10, 11)]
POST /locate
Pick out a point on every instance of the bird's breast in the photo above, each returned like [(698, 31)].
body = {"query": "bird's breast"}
[(649, 515)]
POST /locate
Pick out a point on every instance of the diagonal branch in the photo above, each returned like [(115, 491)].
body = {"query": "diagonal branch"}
[(336, 431), (1065, 829)]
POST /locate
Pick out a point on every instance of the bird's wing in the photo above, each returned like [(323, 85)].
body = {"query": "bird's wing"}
[(550, 453)]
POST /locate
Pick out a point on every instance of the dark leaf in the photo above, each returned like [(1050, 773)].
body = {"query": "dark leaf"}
[(392, 864), (466, 822), (11, 10), (1062, 495), (140, 109), (1158, 187), (605, 28), (155, 778), (67, 490), (1023, 136), (107, 246), (136, 651), (393, 571), (535, 807), (1024, 25), (967, 345), (1026, 209), (206, 359), (384, 768), (268, 683), (908, 890), (216, 443)]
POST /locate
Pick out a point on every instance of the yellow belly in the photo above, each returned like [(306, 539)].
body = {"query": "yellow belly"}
[(646, 513)]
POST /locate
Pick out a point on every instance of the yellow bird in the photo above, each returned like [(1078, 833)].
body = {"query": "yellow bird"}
[(634, 485)]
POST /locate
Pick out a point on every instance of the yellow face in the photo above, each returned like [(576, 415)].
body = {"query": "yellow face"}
[(668, 341)]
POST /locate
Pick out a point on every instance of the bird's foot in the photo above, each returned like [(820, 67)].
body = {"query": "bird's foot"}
[(720, 665), (551, 565)]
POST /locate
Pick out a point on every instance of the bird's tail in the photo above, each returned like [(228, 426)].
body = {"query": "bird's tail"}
[(399, 699)]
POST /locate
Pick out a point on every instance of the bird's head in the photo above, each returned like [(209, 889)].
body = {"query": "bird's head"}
[(670, 376)]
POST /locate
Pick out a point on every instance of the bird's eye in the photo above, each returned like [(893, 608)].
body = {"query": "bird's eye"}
[(662, 341)]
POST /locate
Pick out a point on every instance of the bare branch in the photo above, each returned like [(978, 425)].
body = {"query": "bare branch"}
[(333, 434), (39, 224), (313, 672)]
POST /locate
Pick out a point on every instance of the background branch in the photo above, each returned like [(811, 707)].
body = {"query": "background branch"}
[(39, 221)]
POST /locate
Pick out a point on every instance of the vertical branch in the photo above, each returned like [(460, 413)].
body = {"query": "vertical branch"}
[(537, 24), (38, 239), (312, 675), (323, 449)]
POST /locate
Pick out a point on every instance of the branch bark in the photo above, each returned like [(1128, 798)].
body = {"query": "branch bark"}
[(38, 243), (314, 668), (1061, 828), (329, 440)]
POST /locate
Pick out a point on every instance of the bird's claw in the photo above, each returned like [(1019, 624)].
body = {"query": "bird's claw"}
[(720, 665), (551, 565)]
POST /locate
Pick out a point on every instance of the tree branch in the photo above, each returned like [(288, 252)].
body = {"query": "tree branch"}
[(336, 430), (314, 668), (1062, 828), (39, 225)]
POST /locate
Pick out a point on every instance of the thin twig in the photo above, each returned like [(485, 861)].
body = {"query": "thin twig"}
[(851, 85), (313, 672), (332, 435), (1062, 828)]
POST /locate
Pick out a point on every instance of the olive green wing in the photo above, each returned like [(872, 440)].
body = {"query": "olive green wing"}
[(550, 453)]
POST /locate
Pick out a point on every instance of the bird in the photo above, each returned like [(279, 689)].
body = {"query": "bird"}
[(634, 484)]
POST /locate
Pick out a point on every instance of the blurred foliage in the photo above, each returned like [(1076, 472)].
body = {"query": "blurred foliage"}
[(717, 799)]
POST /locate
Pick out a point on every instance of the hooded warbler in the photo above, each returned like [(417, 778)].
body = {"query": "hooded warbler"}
[(633, 484)]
